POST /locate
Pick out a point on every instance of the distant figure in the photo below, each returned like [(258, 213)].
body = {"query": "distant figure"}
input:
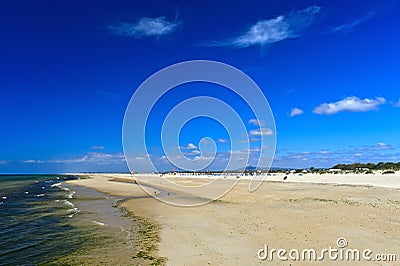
[(285, 177)]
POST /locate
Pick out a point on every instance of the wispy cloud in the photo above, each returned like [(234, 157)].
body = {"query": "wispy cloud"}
[(350, 26), (97, 147), (94, 158), (295, 111), (191, 146), (32, 161), (3, 162), (272, 30), (397, 104), (256, 122), (328, 158), (222, 140), (261, 132), (349, 104), (381, 146), (145, 27)]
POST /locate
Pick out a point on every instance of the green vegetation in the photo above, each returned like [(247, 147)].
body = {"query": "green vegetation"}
[(369, 166), (147, 238)]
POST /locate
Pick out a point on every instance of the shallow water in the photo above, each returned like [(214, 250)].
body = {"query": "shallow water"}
[(43, 220)]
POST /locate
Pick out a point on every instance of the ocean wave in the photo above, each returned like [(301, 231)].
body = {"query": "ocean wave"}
[(73, 214), (68, 203), (73, 210), (69, 196), (56, 185), (39, 195)]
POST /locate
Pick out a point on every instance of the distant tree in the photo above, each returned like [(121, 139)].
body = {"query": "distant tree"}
[(370, 166)]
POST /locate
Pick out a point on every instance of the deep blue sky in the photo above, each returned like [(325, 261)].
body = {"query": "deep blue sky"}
[(68, 70)]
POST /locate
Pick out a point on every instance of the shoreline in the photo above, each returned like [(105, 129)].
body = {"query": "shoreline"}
[(287, 215), (119, 235)]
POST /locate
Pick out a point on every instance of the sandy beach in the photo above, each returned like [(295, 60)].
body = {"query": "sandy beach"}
[(303, 212)]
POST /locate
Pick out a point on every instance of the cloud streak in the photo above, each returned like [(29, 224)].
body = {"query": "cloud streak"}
[(295, 112), (94, 158), (256, 122), (97, 147), (261, 132), (328, 158), (349, 104), (145, 27), (191, 146), (350, 26), (272, 30)]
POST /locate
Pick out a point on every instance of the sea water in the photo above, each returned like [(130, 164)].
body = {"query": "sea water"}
[(43, 220)]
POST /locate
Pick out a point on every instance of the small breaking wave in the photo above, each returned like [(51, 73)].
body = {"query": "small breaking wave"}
[(68, 203), (56, 185), (70, 195)]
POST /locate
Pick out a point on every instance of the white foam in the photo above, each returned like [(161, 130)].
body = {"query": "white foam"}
[(26, 192), (99, 223), (68, 203), (56, 185), (4, 197), (43, 187), (69, 196), (1, 203), (40, 195), (72, 215)]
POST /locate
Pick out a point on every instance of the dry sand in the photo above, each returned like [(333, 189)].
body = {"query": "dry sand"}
[(283, 215)]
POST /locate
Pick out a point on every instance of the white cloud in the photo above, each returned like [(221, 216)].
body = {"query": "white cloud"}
[(261, 132), (191, 146), (256, 122), (295, 111), (32, 161), (97, 147), (94, 158), (397, 104), (349, 104), (382, 147), (145, 27), (222, 140), (349, 26), (273, 30)]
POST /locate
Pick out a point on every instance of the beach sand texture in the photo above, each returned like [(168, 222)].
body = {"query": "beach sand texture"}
[(283, 215)]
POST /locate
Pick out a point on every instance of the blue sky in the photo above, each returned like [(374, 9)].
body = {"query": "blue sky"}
[(329, 69)]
